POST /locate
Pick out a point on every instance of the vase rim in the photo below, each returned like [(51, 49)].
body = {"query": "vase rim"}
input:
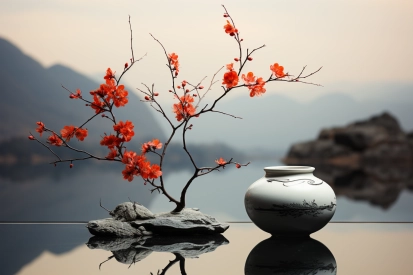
[(291, 169)]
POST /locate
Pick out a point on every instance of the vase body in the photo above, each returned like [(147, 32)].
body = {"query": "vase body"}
[(290, 201)]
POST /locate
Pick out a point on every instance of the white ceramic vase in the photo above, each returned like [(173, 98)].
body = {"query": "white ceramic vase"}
[(290, 201)]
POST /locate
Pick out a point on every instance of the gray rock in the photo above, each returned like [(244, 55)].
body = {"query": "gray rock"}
[(112, 227), (186, 222), (370, 160), (379, 138), (318, 149), (129, 211), (147, 233)]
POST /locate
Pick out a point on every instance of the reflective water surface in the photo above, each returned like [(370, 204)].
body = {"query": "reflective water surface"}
[(46, 193), (43, 193), (349, 248)]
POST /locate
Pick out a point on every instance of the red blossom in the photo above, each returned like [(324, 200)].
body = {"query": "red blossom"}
[(173, 61), (151, 145), (119, 96), (155, 171), (278, 70), (54, 140), (113, 153), (230, 29), (221, 161), (257, 89), (81, 134), (138, 165), (230, 78), (77, 95), (238, 165), (110, 141), (128, 157), (155, 144), (40, 127), (144, 169), (184, 108), (249, 78), (31, 137), (256, 86), (125, 129), (67, 132), (109, 77), (145, 148), (128, 172), (98, 105)]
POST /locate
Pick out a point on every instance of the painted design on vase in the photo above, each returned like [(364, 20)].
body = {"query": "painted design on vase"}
[(288, 182), (297, 210)]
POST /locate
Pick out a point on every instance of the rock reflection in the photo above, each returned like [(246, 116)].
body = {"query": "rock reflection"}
[(132, 250), (369, 160), (380, 184), (292, 256)]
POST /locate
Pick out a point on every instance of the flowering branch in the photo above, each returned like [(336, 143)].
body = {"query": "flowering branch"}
[(112, 94)]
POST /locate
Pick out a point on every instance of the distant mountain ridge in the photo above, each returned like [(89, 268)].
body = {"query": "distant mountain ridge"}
[(273, 122), (33, 93)]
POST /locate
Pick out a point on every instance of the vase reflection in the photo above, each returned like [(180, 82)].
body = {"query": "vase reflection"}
[(291, 256), (132, 250)]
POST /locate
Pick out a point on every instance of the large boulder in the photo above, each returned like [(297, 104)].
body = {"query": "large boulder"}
[(369, 160), (187, 222), (113, 227), (379, 138), (130, 211)]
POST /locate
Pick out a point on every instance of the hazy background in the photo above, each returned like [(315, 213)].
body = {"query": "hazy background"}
[(365, 48), (358, 43)]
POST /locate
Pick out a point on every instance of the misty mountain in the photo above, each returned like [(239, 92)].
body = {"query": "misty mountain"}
[(32, 93), (271, 123)]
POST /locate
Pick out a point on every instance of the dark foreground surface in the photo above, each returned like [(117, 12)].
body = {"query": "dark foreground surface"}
[(339, 248)]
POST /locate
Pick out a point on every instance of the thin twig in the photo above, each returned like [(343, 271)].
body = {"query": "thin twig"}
[(214, 111), (131, 38)]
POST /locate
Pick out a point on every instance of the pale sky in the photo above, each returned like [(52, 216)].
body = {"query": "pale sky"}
[(356, 41)]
